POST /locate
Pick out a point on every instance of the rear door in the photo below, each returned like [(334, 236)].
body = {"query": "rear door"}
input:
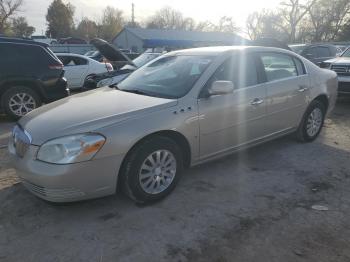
[(228, 121), (75, 70), (287, 86)]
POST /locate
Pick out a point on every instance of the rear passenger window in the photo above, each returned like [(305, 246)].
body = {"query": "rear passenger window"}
[(72, 60), (80, 61), (323, 51), (278, 66)]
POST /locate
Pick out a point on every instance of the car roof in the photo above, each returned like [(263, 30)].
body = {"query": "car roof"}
[(21, 41), (217, 50)]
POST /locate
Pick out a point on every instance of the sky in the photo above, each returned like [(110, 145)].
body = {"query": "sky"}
[(201, 10)]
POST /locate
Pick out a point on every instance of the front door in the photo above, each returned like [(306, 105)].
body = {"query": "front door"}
[(231, 120)]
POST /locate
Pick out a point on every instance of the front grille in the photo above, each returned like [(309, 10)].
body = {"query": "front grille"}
[(21, 140), (53, 193), (342, 70)]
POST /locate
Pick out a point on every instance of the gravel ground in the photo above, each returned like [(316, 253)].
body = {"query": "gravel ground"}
[(251, 206)]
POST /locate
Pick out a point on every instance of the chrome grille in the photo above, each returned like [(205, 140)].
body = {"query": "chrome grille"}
[(21, 140), (341, 69)]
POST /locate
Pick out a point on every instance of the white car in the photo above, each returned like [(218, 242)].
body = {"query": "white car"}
[(78, 67)]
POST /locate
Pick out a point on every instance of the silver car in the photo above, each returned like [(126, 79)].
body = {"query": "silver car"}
[(180, 110)]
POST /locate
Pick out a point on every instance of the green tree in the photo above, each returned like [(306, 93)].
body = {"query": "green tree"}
[(60, 19), (8, 9), (21, 28), (112, 23), (87, 29)]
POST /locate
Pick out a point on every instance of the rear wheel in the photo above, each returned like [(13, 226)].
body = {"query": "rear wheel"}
[(312, 122), (19, 100), (152, 169)]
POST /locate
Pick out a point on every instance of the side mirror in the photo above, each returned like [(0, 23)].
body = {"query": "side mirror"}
[(221, 88)]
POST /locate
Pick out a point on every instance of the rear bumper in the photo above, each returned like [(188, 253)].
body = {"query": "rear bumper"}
[(57, 91)]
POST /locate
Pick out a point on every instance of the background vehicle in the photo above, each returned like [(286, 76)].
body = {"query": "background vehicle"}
[(341, 65), (184, 108), (72, 40), (30, 75), (78, 67), (94, 54), (44, 39), (116, 76), (316, 53)]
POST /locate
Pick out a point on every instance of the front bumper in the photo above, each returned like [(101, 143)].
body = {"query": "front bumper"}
[(344, 85), (67, 183)]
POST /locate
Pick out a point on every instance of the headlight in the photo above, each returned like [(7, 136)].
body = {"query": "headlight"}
[(71, 149)]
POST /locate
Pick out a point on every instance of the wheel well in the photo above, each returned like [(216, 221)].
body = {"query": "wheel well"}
[(7, 85), (175, 136), (323, 99)]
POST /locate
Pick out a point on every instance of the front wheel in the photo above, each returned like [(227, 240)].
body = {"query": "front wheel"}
[(152, 169), (312, 122)]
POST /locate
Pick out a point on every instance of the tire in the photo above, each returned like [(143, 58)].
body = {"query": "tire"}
[(26, 98), (137, 181), (309, 129)]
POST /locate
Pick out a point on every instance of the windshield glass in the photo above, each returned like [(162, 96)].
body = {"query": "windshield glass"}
[(297, 48), (168, 77), (144, 59), (346, 53)]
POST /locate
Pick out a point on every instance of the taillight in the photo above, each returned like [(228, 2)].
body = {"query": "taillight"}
[(56, 66), (109, 67)]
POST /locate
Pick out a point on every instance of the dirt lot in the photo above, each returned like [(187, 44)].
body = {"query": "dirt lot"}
[(252, 206)]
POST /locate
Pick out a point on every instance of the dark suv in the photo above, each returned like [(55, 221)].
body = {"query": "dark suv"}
[(316, 53), (30, 74)]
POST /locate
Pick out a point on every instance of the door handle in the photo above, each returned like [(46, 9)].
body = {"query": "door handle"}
[(302, 89), (257, 101)]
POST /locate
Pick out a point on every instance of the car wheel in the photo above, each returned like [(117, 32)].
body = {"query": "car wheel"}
[(19, 100), (152, 169), (312, 122)]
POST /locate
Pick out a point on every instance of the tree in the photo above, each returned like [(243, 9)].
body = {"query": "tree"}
[(327, 19), (20, 27), (112, 23), (265, 24), (87, 29), (60, 19), (166, 18), (8, 8), (292, 12)]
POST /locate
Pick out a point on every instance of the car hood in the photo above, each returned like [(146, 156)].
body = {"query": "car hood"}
[(110, 52), (87, 112), (339, 60)]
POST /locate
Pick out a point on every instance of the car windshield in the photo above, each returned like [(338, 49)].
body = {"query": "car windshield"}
[(168, 77), (144, 59), (297, 48), (346, 53)]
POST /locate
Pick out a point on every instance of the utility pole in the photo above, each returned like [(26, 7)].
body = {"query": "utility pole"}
[(133, 15)]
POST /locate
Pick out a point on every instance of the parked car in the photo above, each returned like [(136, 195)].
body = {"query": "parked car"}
[(94, 54), (111, 53), (116, 76), (44, 39), (184, 108), (78, 67), (72, 40), (316, 53), (30, 75), (341, 65)]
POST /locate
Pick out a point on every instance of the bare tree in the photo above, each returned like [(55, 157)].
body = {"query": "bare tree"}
[(8, 8), (292, 12), (328, 18), (166, 18)]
